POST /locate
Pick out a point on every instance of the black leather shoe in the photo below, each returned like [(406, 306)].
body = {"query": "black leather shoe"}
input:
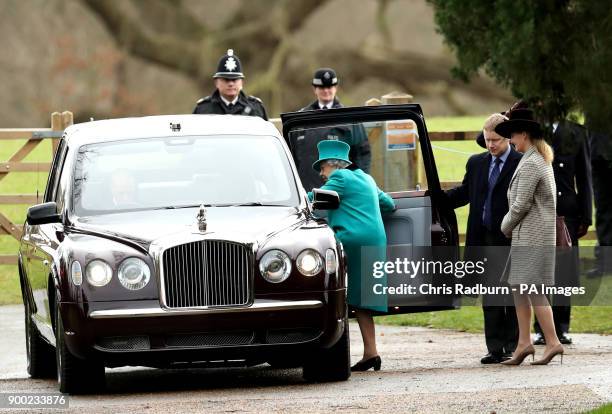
[(594, 272), (373, 362), (506, 356), (491, 359), (565, 339), (539, 339)]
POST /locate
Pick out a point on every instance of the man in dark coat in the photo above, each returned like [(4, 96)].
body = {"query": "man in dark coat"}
[(485, 187), (325, 87), (572, 168), (601, 164), (228, 97)]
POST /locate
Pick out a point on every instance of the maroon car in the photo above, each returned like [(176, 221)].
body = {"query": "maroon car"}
[(179, 240), (171, 240)]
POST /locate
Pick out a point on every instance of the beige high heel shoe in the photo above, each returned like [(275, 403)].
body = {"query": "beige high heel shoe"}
[(557, 350), (519, 356)]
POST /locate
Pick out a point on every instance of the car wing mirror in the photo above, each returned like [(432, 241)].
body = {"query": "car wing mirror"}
[(325, 199), (43, 214)]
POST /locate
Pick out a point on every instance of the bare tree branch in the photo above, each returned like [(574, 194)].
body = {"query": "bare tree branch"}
[(170, 17), (167, 33), (407, 69), (299, 11), (170, 51), (382, 24)]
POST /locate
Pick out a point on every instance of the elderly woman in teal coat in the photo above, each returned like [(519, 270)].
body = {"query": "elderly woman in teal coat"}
[(358, 224)]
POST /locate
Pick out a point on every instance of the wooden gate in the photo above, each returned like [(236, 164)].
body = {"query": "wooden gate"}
[(33, 138)]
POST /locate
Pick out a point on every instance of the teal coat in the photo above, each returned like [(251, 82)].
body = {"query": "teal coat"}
[(359, 226)]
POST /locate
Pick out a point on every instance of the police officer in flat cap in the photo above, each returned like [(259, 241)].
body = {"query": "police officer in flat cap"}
[(228, 98), (325, 86)]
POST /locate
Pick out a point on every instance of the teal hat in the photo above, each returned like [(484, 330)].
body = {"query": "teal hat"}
[(331, 150)]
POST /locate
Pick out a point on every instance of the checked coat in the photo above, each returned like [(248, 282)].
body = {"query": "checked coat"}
[(531, 220)]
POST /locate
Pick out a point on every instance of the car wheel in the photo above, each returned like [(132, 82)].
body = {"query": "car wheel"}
[(40, 356), (74, 375), (333, 364)]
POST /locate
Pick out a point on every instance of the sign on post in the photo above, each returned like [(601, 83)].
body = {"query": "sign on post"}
[(401, 135)]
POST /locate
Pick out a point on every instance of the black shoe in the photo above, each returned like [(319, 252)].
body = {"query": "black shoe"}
[(506, 356), (492, 358), (565, 339), (373, 362), (594, 272), (539, 339)]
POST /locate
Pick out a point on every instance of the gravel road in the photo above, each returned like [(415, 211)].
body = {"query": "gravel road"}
[(424, 370)]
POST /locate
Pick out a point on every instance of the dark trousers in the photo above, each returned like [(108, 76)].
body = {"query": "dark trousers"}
[(500, 323), (567, 271), (602, 193)]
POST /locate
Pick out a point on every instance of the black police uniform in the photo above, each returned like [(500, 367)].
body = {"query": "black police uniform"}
[(306, 145), (601, 163), (572, 168), (246, 105), (229, 67)]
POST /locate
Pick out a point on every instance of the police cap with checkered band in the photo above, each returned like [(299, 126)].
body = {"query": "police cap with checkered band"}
[(325, 77)]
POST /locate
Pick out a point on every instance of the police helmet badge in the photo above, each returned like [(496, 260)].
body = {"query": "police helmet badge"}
[(324, 77), (229, 66), (230, 62)]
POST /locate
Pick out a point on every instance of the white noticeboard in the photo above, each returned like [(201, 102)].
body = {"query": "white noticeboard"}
[(401, 135)]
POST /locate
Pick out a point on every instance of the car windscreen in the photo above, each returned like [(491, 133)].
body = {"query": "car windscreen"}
[(176, 172)]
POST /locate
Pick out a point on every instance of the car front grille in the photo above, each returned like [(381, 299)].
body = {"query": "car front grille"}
[(124, 343), (209, 273), (209, 339), (292, 336)]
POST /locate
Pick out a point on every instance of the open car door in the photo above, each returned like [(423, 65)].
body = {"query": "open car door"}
[(390, 143)]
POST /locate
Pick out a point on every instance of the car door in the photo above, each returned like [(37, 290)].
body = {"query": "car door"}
[(43, 239), (391, 144)]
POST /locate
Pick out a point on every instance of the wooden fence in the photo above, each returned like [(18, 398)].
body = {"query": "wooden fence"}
[(59, 121), (33, 138)]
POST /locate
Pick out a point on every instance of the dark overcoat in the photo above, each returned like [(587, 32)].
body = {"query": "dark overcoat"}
[(246, 105)]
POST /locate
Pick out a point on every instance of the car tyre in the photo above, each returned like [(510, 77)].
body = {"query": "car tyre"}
[(75, 375), (332, 364), (40, 355)]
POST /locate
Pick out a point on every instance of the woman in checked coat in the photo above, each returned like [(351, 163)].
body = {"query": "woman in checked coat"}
[(531, 223)]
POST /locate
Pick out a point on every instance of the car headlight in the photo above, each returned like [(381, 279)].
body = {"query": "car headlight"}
[(275, 266), (134, 273), (331, 263), (309, 262), (76, 273), (98, 273)]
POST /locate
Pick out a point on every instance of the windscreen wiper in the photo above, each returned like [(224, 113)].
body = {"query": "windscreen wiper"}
[(183, 206), (257, 204)]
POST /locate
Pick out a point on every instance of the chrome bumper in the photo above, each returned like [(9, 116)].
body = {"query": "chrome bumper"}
[(258, 306)]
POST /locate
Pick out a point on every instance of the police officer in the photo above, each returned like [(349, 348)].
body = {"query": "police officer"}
[(228, 98), (325, 86), (601, 163)]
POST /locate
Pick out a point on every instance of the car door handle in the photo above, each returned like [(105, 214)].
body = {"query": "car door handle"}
[(37, 238)]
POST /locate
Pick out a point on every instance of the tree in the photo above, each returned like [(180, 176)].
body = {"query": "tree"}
[(264, 34), (557, 52)]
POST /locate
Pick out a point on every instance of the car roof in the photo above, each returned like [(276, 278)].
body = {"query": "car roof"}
[(161, 126)]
